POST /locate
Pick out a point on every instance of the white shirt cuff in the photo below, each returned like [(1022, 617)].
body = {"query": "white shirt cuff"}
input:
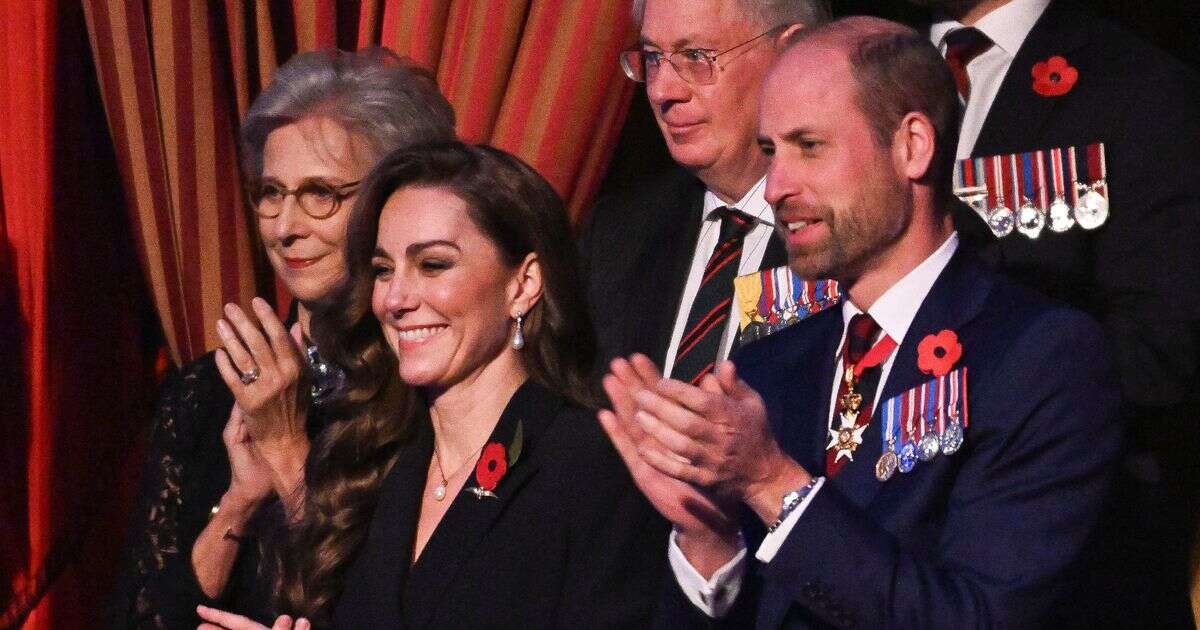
[(715, 595), (774, 540)]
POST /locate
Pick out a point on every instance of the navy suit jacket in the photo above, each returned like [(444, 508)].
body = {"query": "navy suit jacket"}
[(984, 537)]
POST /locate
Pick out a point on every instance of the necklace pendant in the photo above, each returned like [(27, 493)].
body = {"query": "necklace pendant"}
[(439, 492)]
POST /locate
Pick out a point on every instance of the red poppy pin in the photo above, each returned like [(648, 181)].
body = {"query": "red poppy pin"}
[(1054, 76), (937, 354), (494, 462)]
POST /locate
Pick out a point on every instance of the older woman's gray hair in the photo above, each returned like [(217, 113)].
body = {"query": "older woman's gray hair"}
[(374, 94)]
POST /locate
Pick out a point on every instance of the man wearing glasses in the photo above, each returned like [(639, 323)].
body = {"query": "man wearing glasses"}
[(671, 247)]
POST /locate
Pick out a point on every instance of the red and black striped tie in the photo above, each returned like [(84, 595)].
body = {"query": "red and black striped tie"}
[(701, 341)]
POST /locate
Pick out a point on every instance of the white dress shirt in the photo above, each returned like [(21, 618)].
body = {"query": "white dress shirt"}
[(1007, 27), (753, 248), (894, 311)]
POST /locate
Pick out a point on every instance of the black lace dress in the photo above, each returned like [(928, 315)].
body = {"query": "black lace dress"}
[(185, 475)]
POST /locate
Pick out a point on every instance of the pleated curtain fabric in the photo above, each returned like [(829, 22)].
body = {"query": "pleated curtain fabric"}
[(165, 81), (75, 377), (538, 78)]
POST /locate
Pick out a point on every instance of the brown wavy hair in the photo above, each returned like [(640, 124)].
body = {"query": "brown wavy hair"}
[(518, 210)]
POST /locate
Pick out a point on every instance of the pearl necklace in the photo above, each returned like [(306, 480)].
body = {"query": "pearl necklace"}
[(439, 491)]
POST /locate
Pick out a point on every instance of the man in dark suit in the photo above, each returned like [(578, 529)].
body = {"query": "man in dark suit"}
[(936, 451), (1137, 273), (661, 255)]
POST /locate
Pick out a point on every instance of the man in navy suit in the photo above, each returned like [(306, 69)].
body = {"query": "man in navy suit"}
[(971, 503)]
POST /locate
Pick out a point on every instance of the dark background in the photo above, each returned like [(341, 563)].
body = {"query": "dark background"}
[(1171, 25)]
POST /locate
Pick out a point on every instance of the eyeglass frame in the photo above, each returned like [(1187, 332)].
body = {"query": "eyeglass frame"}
[(710, 58), (340, 194)]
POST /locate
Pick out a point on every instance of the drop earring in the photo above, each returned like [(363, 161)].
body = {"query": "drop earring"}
[(518, 339)]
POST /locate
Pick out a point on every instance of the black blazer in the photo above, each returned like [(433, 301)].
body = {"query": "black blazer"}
[(636, 250), (568, 541), (1139, 274), (986, 537)]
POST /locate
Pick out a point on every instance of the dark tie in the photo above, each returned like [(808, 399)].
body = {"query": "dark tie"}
[(701, 340), (963, 45), (860, 335)]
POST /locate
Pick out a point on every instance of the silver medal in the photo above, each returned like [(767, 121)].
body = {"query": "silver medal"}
[(1092, 210), (1030, 220), (952, 438), (1060, 216), (908, 457), (887, 465), (1001, 221), (929, 447)]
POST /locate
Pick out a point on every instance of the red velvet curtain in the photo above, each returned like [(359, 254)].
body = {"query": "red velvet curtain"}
[(73, 373)]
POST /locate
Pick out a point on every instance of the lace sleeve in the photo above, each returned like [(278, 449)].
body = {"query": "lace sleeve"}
[(186, 470)]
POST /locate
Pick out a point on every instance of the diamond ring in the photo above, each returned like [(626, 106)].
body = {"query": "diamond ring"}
[(249, 376)]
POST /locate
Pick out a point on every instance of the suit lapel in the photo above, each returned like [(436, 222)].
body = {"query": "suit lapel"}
[(666, 263), (382, 565), (1018, 114), (803, 383), (776, 254), (957, 297), (818, 431), (464, 527)]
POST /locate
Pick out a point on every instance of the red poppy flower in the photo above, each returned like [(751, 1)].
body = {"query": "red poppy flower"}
[(937, 354), (492, 465), (1054, 76)]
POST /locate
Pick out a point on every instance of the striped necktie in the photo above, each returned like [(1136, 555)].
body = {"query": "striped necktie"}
[(701, 340)]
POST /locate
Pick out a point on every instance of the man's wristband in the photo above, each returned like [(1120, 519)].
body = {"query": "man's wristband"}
[(791, 501)]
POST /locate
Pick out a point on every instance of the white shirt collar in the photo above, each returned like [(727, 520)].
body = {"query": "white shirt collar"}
[(752, 203), (895, 310), (1007, 26)]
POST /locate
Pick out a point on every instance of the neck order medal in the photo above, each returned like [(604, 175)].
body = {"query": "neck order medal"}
[(847, 437)]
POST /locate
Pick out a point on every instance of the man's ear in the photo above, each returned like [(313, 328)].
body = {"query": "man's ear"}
[(914, 145), (525, 288)]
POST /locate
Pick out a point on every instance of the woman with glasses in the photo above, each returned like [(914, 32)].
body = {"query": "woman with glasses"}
[(232, 430)]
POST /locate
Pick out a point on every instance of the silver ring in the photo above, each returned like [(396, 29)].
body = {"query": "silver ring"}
[(249, 376)]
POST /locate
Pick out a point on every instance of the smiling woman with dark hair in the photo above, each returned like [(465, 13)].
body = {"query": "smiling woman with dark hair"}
[(465, 482)]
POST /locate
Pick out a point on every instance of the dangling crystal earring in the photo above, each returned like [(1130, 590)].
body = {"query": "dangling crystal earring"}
[(518, 340)]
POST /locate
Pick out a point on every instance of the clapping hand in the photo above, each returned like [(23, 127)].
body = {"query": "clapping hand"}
[(715, 436), (687, 507), (264, 368), (250, 476), (221, 620)]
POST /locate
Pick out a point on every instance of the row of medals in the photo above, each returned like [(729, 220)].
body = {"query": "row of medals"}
[(923, 450), (759, 328), (1030, 220), (849, 436)]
